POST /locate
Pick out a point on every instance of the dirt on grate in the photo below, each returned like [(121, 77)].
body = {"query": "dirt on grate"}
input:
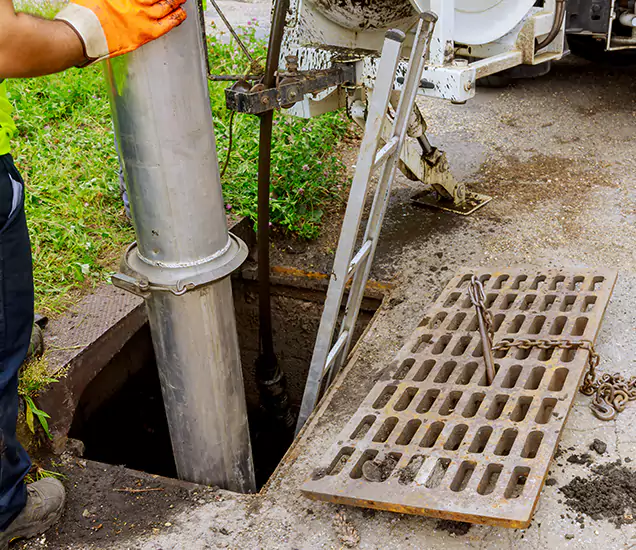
[(609, 493), (111, 503)]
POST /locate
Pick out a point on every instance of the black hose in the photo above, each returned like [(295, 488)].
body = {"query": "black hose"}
[(559, 16), (271, 381)]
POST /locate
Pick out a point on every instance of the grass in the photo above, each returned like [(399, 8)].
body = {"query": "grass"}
[(34, 377), (306, 175), (66, 154)]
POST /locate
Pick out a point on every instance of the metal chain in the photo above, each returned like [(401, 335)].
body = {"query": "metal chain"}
[(477, 296), (610, 392), (486, 325)]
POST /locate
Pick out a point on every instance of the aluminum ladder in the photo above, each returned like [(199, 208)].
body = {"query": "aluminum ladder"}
[(328, 359)]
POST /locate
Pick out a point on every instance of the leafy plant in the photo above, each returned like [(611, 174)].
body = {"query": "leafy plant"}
[(34, 377), (306, 172), (37, 473)]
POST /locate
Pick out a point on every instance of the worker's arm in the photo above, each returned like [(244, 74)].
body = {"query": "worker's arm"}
[(84, 31), (30, 46)]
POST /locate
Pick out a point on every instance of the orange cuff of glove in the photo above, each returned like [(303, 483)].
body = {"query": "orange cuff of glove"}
[(109, 28)]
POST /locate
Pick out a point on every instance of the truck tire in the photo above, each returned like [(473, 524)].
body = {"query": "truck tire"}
[(507, 77), (588, 47)]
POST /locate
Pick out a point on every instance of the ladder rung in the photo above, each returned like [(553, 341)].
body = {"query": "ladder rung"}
[(389, 148), (335, 351), (358, 259)]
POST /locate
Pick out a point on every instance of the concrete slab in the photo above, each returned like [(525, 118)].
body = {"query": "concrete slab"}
[(557, 153)]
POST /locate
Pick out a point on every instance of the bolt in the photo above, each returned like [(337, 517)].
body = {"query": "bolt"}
[(292, 63), (468, 86)]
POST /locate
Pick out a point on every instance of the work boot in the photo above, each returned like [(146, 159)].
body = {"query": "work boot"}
[(45, 504), (36, 345)]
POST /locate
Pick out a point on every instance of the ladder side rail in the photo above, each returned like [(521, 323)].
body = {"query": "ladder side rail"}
[(378, 210), (388, 64)]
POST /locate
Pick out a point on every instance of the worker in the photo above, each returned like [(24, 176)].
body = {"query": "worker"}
[(83, 32)]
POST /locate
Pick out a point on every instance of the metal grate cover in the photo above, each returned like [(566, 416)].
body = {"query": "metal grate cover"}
[(432, 438)]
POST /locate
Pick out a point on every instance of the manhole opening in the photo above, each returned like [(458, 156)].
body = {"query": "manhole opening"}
[(121, 418)]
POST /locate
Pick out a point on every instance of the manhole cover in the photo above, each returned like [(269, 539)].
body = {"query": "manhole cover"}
[(433, 438)]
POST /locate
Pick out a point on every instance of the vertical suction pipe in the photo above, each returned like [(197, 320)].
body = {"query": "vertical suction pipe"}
[(184, 255), (270, 378)]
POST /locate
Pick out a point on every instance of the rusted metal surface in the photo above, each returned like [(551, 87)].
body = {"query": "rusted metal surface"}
[(474, 201), (243, 99), (433, 438)]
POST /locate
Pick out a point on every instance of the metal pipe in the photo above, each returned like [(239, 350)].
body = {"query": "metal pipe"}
[(628, 19), (559, 16), (184, 255), (270, 378)]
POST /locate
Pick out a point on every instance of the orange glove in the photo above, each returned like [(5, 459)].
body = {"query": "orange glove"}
[(109, 28)]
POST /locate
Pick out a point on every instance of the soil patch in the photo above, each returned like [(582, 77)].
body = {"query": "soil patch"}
[(106, 503), (457, 528), (542, 178), (609, 494), (584, 458)]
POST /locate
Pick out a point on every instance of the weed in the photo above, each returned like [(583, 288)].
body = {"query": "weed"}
[(43, 8), (66, 154), (34, 377), (37, 473)]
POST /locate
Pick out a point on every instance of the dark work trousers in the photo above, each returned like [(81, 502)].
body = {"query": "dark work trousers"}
[(16, 322)]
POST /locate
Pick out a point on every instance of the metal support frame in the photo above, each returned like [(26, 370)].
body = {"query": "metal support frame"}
[(184, 254), (442, 77), (293, 88), (327, 359), (428, 166)]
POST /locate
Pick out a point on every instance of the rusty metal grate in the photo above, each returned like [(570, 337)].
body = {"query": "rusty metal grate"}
[(433, 438)]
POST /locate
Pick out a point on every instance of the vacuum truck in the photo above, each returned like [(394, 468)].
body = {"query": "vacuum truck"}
[(341, 54)]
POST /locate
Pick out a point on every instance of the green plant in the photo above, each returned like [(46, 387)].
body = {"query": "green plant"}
[(43, 8), (66, 154), (306, 172), (37, 473), (65, 151), (34, 377)]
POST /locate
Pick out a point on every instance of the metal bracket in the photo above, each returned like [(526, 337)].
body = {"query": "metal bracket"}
[(294, 86), (425, 163), (140, 278)]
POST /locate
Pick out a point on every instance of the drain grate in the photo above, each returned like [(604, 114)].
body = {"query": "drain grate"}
[(433, 438)]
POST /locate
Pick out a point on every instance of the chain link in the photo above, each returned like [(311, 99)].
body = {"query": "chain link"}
[(477, 296), (610, 393)]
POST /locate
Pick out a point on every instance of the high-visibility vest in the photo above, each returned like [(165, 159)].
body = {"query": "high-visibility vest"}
[(7, 126)]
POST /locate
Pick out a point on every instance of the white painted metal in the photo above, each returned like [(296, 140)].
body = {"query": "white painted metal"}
[(483, 21), (326, 361), (443, 39), (628, 19)]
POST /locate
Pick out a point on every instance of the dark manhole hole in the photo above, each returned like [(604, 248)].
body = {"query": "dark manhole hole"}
[(121, 418)]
